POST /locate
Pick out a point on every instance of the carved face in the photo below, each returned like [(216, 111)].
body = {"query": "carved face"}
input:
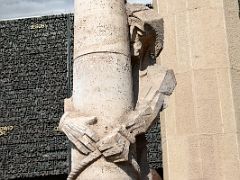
[(146, 34), (143, 40)]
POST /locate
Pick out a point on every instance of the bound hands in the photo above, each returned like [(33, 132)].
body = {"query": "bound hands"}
[(114, 147), (77, 128)]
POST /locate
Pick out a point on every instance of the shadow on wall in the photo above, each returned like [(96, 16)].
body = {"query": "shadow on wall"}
[(239, 8)]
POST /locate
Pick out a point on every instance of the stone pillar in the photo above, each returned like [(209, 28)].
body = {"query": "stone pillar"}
[(201, 126), (102, 82), (101, 119)]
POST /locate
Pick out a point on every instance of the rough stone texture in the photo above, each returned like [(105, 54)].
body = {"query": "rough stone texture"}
[(201, 125), (101, 118), (101, 76), (33, 68), (114, 145)]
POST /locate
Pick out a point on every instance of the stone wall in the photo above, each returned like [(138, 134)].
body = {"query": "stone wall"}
[(201, 125), (33, 68)]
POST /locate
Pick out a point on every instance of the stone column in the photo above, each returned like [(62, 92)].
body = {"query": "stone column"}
[(102, 82), (201, 126), (101, 119)]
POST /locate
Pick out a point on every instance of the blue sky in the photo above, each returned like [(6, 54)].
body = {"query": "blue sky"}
[(12, 9)]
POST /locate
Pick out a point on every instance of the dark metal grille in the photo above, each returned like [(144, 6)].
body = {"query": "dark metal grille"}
[(33, 67)]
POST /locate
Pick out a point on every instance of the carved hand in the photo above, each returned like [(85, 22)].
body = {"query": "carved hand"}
[(77, 129), (114, 147)]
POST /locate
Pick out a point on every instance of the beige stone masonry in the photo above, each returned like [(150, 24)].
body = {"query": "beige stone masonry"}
[(200, 129)]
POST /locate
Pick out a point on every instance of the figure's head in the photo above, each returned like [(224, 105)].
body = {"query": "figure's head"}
[(146, 34)]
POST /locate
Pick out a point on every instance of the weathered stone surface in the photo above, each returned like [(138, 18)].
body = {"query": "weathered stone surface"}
[(201, 127), (115, 146), (102, 84), (103, 120)]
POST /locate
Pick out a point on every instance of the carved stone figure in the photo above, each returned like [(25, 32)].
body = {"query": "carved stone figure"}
[(118, 88)]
